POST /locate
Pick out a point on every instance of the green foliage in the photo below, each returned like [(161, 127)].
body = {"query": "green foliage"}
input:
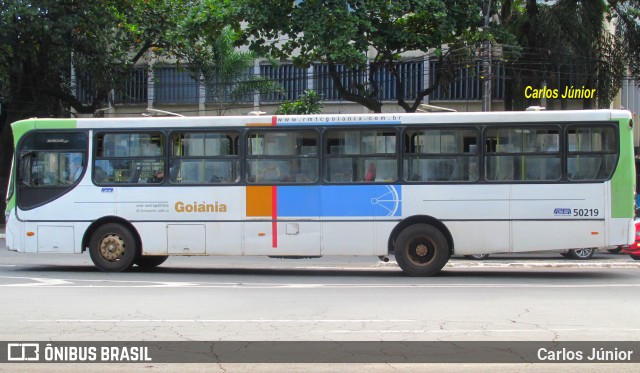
[(363, 35), (548, 38), (42, 39), (626, 16), (228, 72), (307, 103)]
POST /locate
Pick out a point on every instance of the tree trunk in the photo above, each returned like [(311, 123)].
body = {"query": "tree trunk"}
[(6, 155)]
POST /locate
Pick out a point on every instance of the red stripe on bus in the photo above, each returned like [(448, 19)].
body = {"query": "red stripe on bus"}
[(274, 216), (274, 120)]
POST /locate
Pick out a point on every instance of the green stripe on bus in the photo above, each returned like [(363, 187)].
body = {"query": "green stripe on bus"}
[(624, 178), (24, 126)]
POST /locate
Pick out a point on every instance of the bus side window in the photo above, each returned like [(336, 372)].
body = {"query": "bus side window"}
[(282, 156)]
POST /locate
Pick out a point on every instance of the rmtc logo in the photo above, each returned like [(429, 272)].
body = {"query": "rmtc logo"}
[(562, 212)]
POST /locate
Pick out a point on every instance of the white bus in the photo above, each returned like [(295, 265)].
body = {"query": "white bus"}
[(421, 187)]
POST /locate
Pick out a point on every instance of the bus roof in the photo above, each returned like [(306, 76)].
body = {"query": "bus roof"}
[(327, 119)]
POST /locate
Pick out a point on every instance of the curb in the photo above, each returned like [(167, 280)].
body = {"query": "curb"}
[(513, 264), (546, 265)]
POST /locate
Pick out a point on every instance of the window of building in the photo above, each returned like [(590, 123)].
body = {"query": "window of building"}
[(293, 81), (135, 89), (174, 86)]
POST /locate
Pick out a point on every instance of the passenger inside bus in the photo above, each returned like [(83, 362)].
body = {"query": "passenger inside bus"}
[(271, 173), (371, 172), (157, 177)]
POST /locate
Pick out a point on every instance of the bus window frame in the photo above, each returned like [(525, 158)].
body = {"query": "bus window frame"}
[(247, 158), (356, 157), (236, 145), (521, 154), (406, 155), (616, 151), (44, 193), (136, 160)]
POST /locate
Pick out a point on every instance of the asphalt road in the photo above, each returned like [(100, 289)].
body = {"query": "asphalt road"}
[(525, 297)]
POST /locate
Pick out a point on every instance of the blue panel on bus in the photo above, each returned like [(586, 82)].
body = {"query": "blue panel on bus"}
[(299, 201), (340, 201)]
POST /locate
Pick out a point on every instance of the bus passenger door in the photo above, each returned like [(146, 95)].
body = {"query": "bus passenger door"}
[(282, 221), (348, 213)]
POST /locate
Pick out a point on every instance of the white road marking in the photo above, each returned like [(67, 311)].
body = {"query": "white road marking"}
[(443, 331), (343, 330), (80, 283), (219, 320), (38, 281)]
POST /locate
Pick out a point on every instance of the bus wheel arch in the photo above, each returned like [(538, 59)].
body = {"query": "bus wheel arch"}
[(420, 219), (119, 235), (422, 247)]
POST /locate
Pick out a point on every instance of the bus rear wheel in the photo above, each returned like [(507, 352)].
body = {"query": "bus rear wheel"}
[(150, 261), (421, 250), (113, 248)]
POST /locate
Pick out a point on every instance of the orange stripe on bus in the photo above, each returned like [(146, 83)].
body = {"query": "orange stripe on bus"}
[(259, 201)]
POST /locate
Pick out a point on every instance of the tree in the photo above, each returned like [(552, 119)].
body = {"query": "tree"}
[(365, 36), (307, 103), (42, 41), (626, 15), (226, 71), (571, 34)]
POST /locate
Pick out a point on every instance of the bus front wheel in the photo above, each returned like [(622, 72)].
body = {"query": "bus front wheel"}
[(112, 248), (421, 250)]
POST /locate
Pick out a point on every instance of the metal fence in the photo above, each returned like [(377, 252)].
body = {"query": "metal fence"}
[(173, 85)]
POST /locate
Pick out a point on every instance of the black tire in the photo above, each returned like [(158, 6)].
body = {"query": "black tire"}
[(635, 256), (113, 248), (421, 250), (616, 250), (477, 256), (150, 261), (581, 254)]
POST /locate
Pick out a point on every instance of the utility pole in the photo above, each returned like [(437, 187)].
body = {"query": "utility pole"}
[(486, 60)]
